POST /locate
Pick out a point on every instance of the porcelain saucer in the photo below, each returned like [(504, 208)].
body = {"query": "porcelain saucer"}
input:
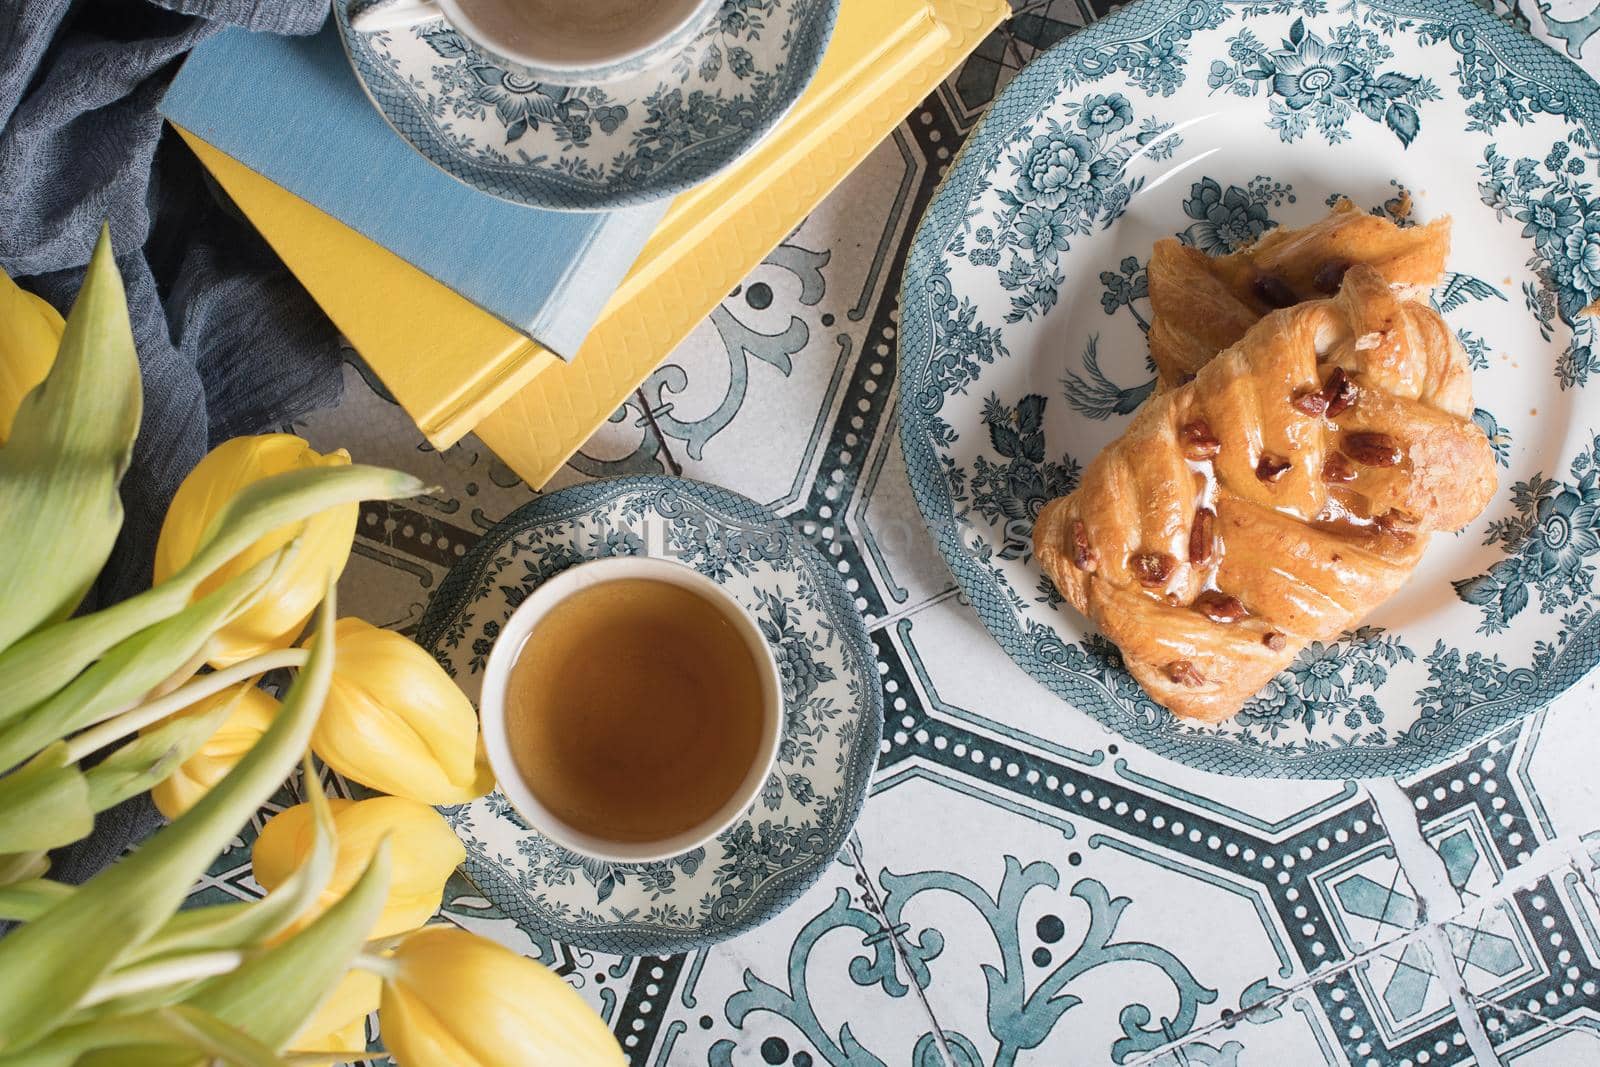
[(833, 716), (593, 147)]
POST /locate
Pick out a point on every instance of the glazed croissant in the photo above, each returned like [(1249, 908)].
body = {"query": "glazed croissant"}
[(1203, 304), (1274, 500)]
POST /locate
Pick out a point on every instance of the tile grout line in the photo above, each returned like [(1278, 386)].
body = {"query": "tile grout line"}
[(1424, 868), (1305, 984), (655, 428), (871, 893)]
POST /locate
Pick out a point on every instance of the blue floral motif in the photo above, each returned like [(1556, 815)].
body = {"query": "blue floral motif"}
[(1104, 114), (1069, 179), (1011, 494), (1227, 220), (1330, 683), (1560, 213), (1324, 83), (963, 346), (1062, 168), (1550, 543)]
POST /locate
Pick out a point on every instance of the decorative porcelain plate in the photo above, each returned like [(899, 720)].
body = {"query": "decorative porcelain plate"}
[(593, 147), (1022, 348), (829, 748)]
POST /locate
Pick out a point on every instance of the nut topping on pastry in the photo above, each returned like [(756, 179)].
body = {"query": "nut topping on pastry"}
[(1373, 449), (1202, 537), (1274, 291), (1219, 607), (1183, 672), (1274, 640), (1152, 569), (1397, 524), (1329, 275), (1309, 402), (1198, 442), (1337, 468), (1270, 468), (1339, 392)]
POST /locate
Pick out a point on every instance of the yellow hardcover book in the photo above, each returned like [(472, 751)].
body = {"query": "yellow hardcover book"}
[(448, 362), (455, 368), (885, 56)]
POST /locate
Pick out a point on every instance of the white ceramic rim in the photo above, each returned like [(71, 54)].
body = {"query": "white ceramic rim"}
[(508, 647), (595, 69)]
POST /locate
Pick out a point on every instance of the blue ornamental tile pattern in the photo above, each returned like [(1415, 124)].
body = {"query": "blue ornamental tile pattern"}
[(1024, 887)]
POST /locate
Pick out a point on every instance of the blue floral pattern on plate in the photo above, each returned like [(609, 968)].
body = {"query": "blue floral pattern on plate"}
[(1026, 301), (593, 147), (833, 724)]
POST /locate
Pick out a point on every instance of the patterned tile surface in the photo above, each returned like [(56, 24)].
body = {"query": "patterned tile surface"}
[(1022, 888)]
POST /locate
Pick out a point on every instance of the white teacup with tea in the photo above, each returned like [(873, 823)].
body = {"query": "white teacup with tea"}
[(565, 42), (631, 708)]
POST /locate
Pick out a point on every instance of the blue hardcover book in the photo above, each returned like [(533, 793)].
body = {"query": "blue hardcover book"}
[(290, 109)]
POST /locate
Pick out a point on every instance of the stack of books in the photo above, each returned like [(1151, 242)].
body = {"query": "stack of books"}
[(529, 327)]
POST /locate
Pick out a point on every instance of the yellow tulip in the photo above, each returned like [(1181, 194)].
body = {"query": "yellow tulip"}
[(394, 720), (457, 1000), (340, 1023), (280, 612), (424, 852), (30, 333), (238, 733)]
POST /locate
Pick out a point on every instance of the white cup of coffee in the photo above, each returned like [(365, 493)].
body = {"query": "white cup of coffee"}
[(564, 42), (631, 709)]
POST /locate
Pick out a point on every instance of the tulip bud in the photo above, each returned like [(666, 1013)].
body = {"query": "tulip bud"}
[(455, 998), (280, 612), (425, 851), (238, 733), (395, 721), (30, 333), (340, 1023)]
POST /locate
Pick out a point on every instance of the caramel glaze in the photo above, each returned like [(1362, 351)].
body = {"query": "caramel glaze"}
[(1236, 520)]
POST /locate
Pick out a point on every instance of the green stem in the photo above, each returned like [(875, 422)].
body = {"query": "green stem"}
[(159, 975), (135, 719)]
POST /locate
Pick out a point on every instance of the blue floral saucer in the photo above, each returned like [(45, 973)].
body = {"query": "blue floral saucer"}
[(1025, 302), (830, 745), (592, 147)]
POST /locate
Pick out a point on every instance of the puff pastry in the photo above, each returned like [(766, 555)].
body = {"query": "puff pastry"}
[(1202, 304), (1275, 499)]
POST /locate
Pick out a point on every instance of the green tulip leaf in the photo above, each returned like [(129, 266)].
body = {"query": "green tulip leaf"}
[(237, 926), (131, 669), (69, 446), (272, 995), (42, 663), (176, 1036), (23, 867), (47, 966), (26, 901), (44, 804)]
